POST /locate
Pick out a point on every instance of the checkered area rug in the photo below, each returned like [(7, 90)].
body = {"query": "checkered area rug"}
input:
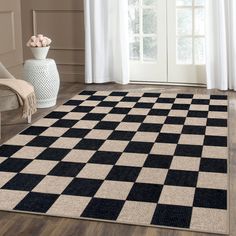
[(138, 158)]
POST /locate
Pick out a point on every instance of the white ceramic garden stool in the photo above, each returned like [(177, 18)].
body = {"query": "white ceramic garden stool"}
[(44, 76)]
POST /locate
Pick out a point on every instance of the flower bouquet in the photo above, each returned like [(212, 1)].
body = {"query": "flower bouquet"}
[(39, 46)]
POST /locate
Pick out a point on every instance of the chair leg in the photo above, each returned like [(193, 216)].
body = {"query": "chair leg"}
[(29, 119)]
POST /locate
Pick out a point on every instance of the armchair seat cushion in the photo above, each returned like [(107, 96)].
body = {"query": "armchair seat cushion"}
[(8, 100)]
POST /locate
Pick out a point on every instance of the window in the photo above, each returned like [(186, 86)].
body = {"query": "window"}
[(190, 32), (143, 30)]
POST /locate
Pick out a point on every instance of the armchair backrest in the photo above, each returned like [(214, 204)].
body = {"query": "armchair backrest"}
[(4, 73)]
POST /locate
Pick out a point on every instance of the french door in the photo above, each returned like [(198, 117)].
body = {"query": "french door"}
[(167, 41)]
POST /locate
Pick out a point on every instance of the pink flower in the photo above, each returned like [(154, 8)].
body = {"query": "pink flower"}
[(48, 40), (44, 42), (38, 41), (33, 38), (33, 44), (40, 37)]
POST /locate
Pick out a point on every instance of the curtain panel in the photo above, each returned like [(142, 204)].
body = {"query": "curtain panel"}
[(106, 41), (221, 44)]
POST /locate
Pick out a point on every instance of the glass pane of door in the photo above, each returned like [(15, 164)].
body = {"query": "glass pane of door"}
[(147, 27), (190, 32), (186, 41)]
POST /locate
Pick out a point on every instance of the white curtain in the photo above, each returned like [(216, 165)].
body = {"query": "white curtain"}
[(106, 41), (221, 44)]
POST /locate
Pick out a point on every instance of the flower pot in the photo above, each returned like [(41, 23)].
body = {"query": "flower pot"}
[(40, 53)]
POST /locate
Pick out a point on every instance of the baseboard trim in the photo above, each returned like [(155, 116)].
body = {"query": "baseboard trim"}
[(169, 84)]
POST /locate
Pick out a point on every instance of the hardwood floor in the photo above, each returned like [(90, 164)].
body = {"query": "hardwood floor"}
[(14, 224)]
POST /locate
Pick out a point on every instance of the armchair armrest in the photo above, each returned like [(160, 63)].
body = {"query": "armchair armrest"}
[(4, 73)]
